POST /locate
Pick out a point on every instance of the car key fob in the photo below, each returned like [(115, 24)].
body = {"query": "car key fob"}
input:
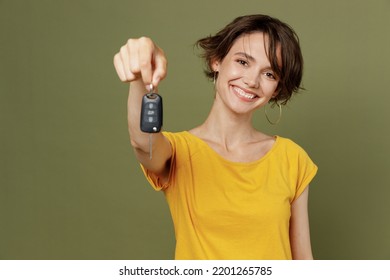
[(151, 113)]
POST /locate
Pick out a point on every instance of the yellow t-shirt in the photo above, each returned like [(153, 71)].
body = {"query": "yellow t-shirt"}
[(228, 210)]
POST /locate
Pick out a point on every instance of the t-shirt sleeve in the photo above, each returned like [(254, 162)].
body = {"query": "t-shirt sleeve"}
[(306, 170), (152, 178)]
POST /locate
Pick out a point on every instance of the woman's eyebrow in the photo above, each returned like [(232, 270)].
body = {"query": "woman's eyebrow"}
[(247, 56)]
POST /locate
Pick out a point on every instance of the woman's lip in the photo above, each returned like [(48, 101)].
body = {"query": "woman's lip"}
[(243, 94)]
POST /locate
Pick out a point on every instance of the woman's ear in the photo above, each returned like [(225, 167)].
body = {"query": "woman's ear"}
[(276, 93), (215, 65)]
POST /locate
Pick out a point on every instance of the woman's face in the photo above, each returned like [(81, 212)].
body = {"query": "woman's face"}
[(245, 79)]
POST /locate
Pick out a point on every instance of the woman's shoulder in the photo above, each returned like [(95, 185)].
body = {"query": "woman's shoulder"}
[(180, 138), (289, 145), (177, 135)]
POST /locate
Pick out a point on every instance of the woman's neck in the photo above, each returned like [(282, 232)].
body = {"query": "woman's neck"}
[(226, 127)]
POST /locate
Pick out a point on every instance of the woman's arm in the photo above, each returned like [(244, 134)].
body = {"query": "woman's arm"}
[(299, 228), (142, 63)]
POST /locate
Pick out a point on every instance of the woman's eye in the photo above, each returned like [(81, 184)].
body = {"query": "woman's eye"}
[(242, 62), (270, 75)]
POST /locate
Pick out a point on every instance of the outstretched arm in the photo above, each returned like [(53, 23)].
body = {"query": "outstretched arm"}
[(141, 63)]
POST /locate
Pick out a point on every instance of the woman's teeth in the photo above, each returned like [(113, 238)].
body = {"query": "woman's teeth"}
[(244, 94)]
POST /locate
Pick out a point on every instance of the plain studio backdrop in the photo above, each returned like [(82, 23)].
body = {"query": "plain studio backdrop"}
[(70, 187)]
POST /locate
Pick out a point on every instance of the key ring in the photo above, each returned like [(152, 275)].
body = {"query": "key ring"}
[(151, 94)]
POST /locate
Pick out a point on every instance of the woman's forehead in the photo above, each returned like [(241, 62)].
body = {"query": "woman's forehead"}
[(254, 44)]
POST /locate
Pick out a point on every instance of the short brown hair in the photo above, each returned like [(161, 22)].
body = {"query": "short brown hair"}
[(290, 73)]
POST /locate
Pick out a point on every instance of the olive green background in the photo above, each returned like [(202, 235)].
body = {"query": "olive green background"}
[(70, 187)]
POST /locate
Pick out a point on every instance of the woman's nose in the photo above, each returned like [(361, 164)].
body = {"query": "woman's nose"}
[(251, 80)]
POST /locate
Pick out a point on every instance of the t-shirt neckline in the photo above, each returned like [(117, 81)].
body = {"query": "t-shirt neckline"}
[(257, 161)]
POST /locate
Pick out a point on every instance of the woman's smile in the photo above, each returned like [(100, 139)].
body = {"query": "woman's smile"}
[(244, 95)]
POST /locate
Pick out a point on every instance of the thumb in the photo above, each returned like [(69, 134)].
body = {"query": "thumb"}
[(160, 68)]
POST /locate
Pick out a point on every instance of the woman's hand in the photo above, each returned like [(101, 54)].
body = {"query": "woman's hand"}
[(141, 60)]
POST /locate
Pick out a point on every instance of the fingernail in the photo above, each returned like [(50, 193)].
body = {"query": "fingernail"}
[(149, 87)]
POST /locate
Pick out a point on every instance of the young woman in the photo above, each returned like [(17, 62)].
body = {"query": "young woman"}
[(233, 192)]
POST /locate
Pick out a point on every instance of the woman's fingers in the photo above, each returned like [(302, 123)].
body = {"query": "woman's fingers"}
[(141, 59), (120, 70), (126, 60), (146, 52), (160, 67)]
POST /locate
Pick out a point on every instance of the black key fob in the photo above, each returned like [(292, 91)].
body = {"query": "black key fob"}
[(151, 113)]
